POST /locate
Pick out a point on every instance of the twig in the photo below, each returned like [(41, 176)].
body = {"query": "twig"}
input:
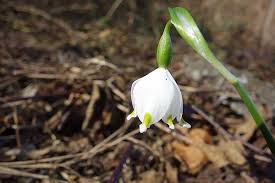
[(7, 82), (101, 62), (90, 108), (35, 166), (174, 133), (19, 173), (69, 156), (145, 146), (115, 90), (10, 171), (113, 8), (213, 123), (37, 97), (262, 158), (91, 153), (191, 89), (45, 76), (38, 12), (114, 178), (17, 134)]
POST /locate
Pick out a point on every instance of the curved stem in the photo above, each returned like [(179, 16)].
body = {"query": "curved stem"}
[(256, 116), (190, 33), (250, 105)]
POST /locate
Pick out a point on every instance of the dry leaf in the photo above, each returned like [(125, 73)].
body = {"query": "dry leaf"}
[(214, 153), (199, 134), (246, 129), (234, 152), (171, 173), (150, 176), (193, 157)]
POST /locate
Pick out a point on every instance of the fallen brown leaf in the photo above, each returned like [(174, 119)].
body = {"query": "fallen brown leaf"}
[(233, 151), (246, 129), (171, 173), (199, 134), (214, 153), (150, 176), (192, 156)]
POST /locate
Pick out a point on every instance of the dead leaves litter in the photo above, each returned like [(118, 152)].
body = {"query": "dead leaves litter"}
[(201, 151)]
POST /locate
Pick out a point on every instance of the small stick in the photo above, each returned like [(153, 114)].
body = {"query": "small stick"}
[(174, 133), (145, 146), (69, 156), (90, 108), (14, 172), (219, 128), (17, 134), (113, 8), (36, 97)]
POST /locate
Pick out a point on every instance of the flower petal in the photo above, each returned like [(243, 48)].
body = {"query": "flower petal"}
[(153, 93), (176, 106), (132, 115)]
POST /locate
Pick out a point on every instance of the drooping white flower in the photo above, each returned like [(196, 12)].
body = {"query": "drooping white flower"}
[(156, 97)]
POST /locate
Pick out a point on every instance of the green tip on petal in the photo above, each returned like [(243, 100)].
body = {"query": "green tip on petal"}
[(147, 119), (146, 123), (132, 115), (185, 124), (170, 122)]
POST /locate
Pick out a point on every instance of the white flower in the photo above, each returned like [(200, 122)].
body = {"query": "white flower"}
[(156, 97)]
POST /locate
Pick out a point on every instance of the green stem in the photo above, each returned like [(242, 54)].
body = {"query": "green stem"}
[(247, 101), (256, 116)]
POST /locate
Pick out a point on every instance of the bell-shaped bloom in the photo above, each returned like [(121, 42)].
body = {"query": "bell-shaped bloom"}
[(156, 97)]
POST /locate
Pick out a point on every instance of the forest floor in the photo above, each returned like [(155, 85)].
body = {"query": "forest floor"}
[(65, 77)]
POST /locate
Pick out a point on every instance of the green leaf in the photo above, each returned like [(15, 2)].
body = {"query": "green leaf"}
[(189, 31)]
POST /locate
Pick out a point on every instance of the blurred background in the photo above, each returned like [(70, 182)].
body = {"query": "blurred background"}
[(66, 69)]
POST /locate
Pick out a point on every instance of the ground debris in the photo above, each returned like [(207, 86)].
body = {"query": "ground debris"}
[(65, 78)]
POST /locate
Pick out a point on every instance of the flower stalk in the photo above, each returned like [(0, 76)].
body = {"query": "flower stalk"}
[(164, 48), (189, 31)]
